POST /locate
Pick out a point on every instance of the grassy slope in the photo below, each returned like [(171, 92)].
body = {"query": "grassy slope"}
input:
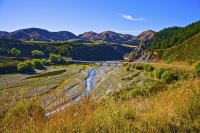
[(188, 51)]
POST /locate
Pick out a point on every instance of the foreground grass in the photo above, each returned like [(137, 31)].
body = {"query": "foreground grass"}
[(173, 110)]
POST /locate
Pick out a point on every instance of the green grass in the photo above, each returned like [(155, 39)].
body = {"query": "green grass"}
[(187, 51)]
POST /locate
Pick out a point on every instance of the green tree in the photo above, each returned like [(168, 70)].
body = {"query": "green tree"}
[(15, 52), (38, 64), (57, 59), (37, 53), (26, 66)]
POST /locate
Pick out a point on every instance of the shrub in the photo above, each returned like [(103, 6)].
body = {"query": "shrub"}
[(127, 68), (158, 72), (167, 76), (27, 111), (15, 51), (138, 67), (37, 53), (38, 64), (182, 77), (26, 66), (57, 59), (197, 69), (44, 62), (148, 68)]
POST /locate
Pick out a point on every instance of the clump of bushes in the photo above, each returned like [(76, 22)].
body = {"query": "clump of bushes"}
[(148, 67), (57, 59), (26, 66), (157, 73), (29, 66), (167, 76), (38, 64)]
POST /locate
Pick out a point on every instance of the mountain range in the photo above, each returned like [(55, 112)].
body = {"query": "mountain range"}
[(109, 37)]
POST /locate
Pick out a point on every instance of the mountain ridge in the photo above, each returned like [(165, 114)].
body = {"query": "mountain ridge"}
[(109, 37)]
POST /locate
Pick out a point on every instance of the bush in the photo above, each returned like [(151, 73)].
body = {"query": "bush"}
[(138, 67), (167, 76), (15, 51), (148, 68), (57, 59), (158, 72), (127, 68), (24, 111), (26, 66), (38, 64), (182, 77), (44, 62), (37, 53), (197, 69)]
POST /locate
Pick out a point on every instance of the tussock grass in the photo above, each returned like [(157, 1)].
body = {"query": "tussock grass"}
[(174, 110)]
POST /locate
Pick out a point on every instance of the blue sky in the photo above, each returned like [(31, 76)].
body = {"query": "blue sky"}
[(78, 16)]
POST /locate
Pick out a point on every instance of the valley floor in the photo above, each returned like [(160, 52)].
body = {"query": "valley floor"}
[(122, 101)]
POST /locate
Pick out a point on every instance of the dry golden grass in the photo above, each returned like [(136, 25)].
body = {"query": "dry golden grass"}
[(174, 110)]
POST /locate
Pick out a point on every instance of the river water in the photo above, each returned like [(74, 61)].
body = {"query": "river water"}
[(88, 88)]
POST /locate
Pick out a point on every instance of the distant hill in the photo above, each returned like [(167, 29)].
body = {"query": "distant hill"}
[(36, 34), (108, 37), (88, 36), (111, 37), (3, 33)]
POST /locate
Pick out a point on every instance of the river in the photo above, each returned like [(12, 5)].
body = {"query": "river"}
[(88, 88)]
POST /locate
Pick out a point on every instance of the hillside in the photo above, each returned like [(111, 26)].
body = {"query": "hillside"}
[(95, 53), (189, 50), (3, 33), (172, 36), (75, 50), (36, 34)]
